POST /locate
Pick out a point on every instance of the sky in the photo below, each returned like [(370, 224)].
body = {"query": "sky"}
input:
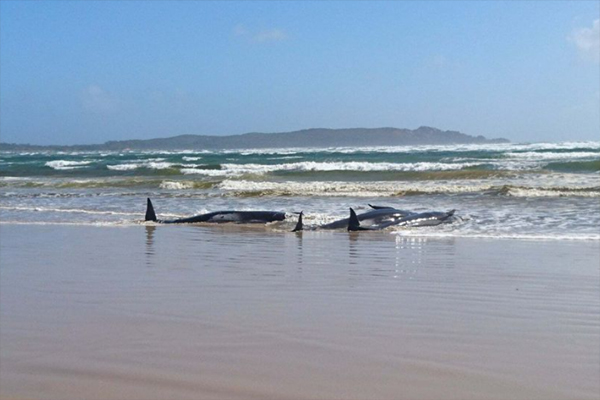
[(79, 72)]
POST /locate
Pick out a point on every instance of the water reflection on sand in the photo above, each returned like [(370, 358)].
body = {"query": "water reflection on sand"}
[(357, 254), (181, 312)]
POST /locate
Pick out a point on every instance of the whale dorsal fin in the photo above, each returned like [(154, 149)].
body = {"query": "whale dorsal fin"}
[(353, 223), (150, 215), (379, 207), (449, 214), (299, 226)]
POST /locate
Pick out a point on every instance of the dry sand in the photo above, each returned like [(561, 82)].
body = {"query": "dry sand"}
[(184, 312)]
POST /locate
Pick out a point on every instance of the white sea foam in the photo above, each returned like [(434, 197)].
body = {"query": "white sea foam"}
[(532, 155), (284, 157), (208, 172), (266, 151), (362, 149), (523, 164), (418, 148), (15, 178), (66, 164), (174, 152), (352, 189), (159, 165), (172, 185), (420, 233), (343, 166), (557, 146), (186, 158), (385, 188), (123, 167), (553, 192), (79, 211), (145, 164)]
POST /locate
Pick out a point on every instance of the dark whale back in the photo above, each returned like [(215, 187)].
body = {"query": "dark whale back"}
[(376, 215), (247, 217)]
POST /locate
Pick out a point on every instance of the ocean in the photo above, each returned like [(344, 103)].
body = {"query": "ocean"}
[(525, 191), (501, 303)]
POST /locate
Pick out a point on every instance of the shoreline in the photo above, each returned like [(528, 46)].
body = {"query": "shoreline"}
[(405, 233)]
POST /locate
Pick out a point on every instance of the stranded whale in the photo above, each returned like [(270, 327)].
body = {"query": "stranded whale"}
[(415, 219), (378, 215), (245, 217)]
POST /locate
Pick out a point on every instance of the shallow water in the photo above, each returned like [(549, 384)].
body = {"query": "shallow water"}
[(143, 312)]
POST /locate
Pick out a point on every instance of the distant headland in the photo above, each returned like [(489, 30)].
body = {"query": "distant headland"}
[(316, 137)]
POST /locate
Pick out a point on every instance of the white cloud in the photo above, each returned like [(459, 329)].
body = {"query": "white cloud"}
[(263, 36), (587, 41), (97, 100)]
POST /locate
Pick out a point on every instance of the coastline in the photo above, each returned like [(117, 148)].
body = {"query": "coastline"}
[(233, 312)]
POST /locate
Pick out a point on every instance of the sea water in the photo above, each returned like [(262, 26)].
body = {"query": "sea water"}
[(528, 191)]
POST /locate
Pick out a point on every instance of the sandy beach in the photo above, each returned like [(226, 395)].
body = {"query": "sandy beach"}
[(188, 312)]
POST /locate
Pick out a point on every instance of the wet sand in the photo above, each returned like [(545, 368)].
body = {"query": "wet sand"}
[(184, 312)]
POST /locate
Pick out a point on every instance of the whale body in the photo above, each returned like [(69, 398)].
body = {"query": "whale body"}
[(431, 218), (240, 217), (378, 215)]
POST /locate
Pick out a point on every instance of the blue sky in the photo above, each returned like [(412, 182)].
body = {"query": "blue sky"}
[(74, 72)]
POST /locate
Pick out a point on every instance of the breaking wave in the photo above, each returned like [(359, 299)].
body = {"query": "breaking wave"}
[(244, 188), (66, 164), (123, 167), (535, 190), (550, 155)]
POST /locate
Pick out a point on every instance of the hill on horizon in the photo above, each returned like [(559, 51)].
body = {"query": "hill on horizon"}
[(315, 137)]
